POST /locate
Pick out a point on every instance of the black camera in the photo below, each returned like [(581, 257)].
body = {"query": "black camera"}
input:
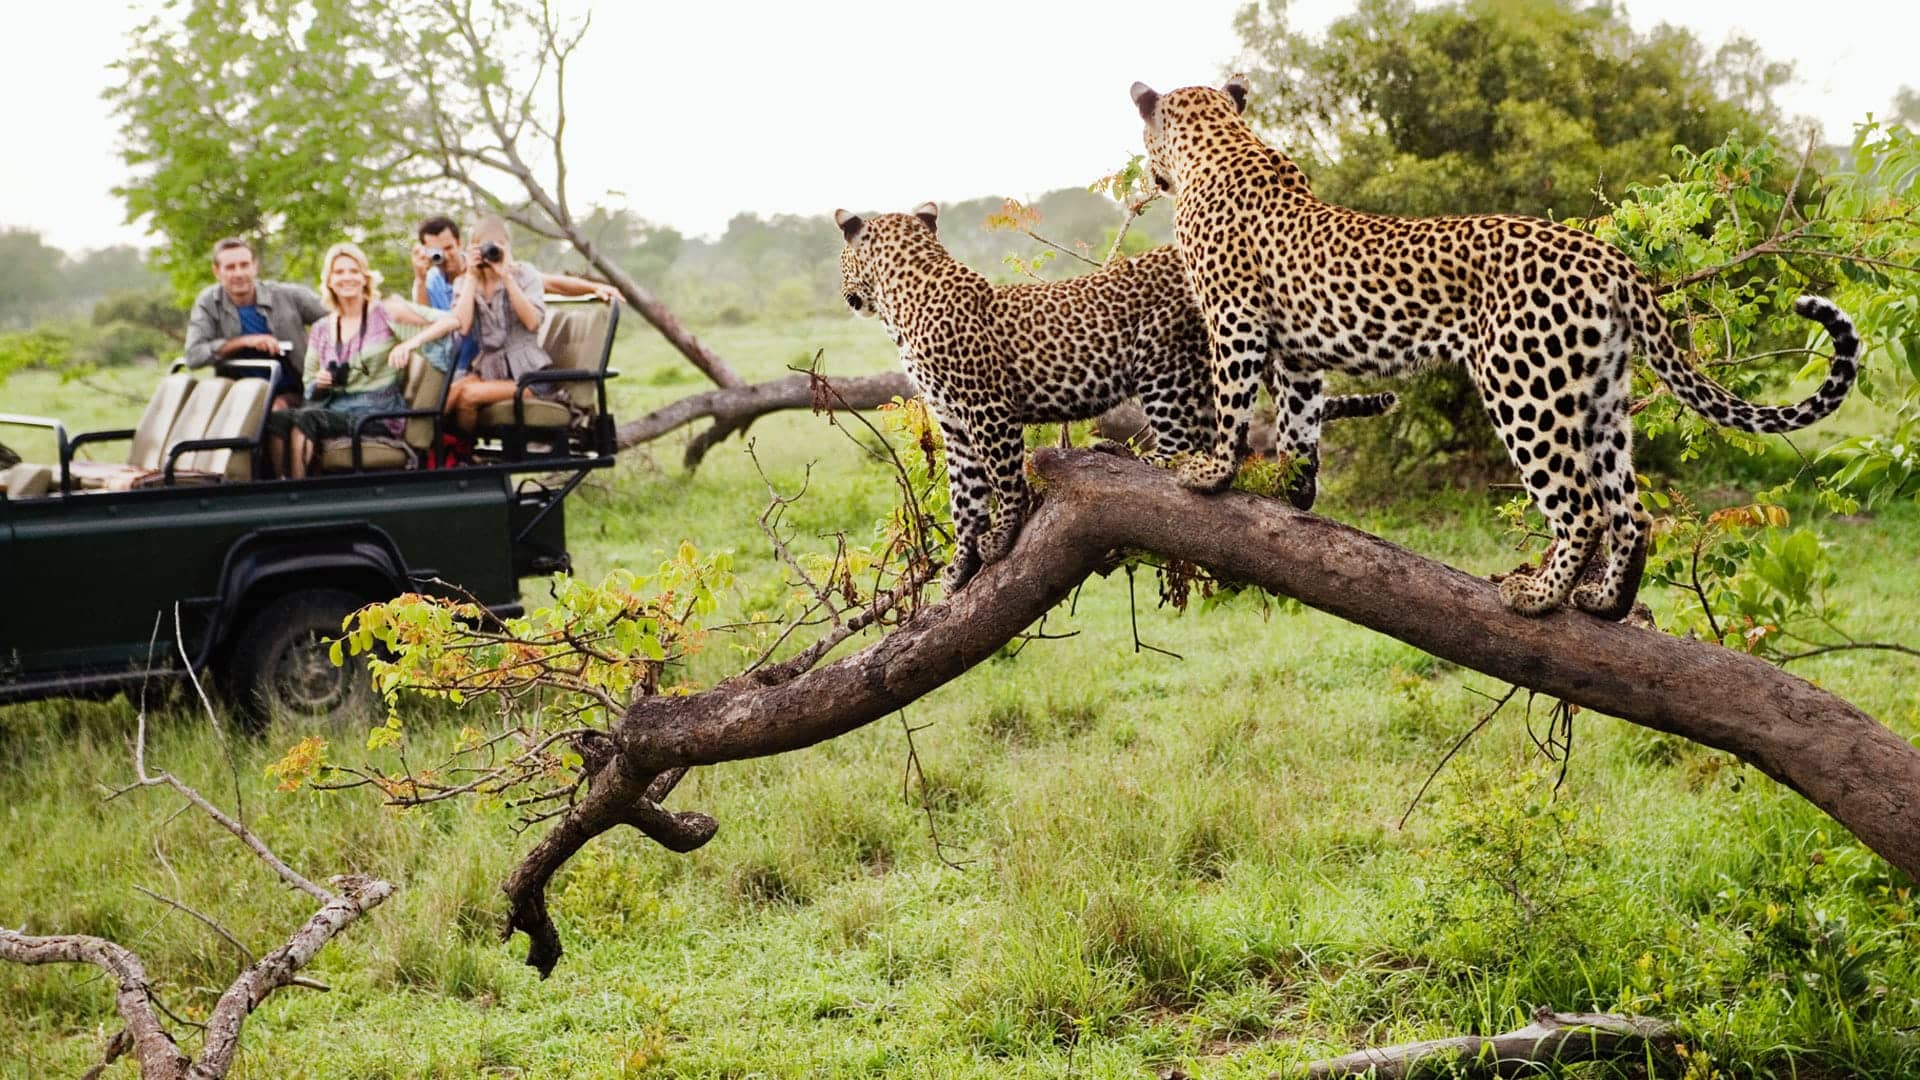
[(341, 372), (490, 252), (436, 256)]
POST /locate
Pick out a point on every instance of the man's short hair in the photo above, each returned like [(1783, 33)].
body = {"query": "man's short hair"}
[(228, 244), (437, 224)]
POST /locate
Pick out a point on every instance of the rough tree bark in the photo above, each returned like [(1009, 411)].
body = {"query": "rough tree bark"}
[(1856, 770)]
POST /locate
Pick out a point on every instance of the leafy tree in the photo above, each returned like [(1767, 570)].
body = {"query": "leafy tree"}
[(1906, 107), (259, 119), (1489, 106), (30, 277), (1486, 106)]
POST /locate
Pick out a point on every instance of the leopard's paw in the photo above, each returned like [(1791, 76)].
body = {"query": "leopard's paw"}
[(958, 573), (1526, 594), (1206, 474), (998, 542)]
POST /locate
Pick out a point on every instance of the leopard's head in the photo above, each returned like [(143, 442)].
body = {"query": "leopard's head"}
[(1188, 104), (862, 235)]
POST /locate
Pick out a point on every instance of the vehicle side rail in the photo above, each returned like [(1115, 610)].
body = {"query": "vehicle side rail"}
[(367, 420), (238, 442), (59, 438)]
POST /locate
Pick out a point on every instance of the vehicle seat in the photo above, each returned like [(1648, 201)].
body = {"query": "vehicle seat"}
[(426, 391), (203, 403), (242, 414), (147, 439), (578, 336), (26, 481)]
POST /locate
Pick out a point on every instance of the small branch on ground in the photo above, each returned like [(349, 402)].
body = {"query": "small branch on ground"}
[(1552, 1039), (145, 1037)]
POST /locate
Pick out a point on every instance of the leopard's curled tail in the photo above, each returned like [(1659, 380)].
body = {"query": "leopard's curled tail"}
[(1712, 400)]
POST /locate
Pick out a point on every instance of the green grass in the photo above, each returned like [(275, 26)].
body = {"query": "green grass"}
[(1189, 862)]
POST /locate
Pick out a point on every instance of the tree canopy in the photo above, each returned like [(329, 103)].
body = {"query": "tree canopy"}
[(1484, 106), (264, 119)]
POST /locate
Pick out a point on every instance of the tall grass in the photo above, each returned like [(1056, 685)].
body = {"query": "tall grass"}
[(1165, 862)]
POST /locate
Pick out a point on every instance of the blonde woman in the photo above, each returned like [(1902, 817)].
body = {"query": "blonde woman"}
[(353, 366), (501, 303)]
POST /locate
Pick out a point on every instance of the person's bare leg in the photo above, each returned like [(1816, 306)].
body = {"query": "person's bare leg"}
[(302, 451), (477, 395)]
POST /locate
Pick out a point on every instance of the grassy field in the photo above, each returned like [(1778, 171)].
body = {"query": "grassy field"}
[(1165, 862)]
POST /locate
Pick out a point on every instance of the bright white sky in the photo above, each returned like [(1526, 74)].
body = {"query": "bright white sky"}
[(696, 111)]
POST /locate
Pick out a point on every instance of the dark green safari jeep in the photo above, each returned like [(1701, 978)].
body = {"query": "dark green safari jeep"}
[(180, 556)]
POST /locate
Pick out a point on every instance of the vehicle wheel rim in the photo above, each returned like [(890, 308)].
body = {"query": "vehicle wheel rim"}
[(306, 680)]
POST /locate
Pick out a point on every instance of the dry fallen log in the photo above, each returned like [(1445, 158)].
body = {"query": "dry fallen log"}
[(1552, 1038), (1863, 775)]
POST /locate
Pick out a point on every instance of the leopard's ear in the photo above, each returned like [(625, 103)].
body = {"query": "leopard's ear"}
[(1145, 99), (929, 216), (1236, 88), (850, 224)]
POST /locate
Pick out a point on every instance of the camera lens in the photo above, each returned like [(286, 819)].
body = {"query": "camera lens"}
[(491, 252), (436, 257)]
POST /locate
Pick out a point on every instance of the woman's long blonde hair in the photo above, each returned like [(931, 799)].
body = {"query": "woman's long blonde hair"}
[(352, 251)]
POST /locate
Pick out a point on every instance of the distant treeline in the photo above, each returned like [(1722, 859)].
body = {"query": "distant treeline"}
[(787, 266)]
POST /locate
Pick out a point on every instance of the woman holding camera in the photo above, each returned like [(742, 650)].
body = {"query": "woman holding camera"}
[(501, 303), (356, 362)]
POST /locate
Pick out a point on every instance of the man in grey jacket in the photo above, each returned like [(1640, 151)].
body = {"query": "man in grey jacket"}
[(240, 318)]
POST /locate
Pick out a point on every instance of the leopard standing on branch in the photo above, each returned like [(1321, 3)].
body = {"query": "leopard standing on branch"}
[(991, 359), (1543, 316)]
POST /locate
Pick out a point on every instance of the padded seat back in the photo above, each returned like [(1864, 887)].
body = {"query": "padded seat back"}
[(242, 412), (576, 337), (426, 388), (150, 437), (196, 414)]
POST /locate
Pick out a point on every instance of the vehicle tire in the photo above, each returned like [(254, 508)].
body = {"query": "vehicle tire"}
[(280, 668)]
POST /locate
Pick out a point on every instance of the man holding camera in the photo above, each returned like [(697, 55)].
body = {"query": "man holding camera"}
[(240, 317)]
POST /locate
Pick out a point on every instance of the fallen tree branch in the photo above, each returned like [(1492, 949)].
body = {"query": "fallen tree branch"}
[(144, 1036), (1553, 1038), (734, 408), (1848, 764)]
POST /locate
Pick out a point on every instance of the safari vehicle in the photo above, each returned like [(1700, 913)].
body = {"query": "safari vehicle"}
[(181, 556)]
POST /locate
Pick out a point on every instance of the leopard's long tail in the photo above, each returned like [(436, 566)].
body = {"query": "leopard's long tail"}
[(1712, 400), (1358, 406)]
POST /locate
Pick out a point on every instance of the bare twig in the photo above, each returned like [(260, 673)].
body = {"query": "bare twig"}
[(1484, 720)]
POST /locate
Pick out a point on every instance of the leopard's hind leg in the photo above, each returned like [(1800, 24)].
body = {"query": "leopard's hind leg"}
[(1609, 447), (1239, 337), (967, 500), (1003, 457), (1299, 409), (1546, 446)]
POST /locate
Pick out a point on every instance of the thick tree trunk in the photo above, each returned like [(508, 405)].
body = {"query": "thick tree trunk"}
[(1845, 762)]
